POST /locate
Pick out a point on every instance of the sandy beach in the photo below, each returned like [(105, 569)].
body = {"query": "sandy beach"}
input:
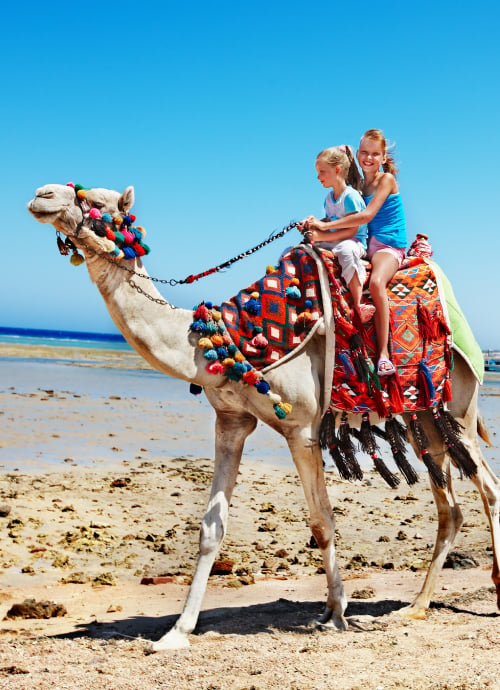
[(102, 491)]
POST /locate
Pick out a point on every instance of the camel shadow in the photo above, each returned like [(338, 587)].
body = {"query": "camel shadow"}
[(283, 615)]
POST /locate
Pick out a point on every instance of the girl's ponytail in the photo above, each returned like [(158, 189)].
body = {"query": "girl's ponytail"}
[(353, 177)]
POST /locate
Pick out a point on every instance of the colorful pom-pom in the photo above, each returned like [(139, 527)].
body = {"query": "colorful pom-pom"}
[(270, 269), (202, 313), (110, 234), (251, 377), (228, 362), (94, 213), (198, 326), (210, 355), (293, 292), (274, 398), (281, 414), (231, 348), (129, 237), (70, 184), (239, 368), (81, 194), (253, 306), (106, 217), (129, 253), (217, 340), (215, 367), (238, 357), (205, 343), (262, 387), (308, 304), (216, 315), (132, 217), (259, 341)]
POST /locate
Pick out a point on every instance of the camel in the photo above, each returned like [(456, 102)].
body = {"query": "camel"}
[(161, 334)]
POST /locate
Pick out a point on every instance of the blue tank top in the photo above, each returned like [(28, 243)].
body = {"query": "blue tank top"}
[(389, 225)]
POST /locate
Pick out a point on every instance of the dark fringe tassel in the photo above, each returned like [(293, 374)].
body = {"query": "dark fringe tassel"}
[(385, 472), (366, 435), (426, 390), (347, 449), (454, 427), (340, 462), (327, 431), (398, 448), (436, 473), (358, 357), (377, 431), (425, 323), (459, 453)]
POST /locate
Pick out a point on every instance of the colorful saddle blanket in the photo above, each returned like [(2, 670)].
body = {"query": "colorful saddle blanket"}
[(280, 312)]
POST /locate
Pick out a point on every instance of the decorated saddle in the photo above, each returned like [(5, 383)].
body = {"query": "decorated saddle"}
[(280, 312), (267, 323)]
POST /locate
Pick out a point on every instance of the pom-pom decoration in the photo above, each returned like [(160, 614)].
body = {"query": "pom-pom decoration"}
[(224, 357)]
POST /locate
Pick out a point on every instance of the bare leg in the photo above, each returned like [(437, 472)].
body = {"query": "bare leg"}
[(308, 460), (231, 431), (384, 266), (365, 311)]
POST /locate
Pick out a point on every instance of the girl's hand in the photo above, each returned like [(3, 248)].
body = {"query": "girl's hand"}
[(314, 223)]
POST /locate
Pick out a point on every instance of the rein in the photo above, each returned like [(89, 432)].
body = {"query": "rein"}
[(93, 220)]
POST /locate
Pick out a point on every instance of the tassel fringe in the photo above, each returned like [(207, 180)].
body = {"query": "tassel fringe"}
[(435, 472), (447, 427)]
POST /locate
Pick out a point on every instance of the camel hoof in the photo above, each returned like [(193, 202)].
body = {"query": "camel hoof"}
[(172, 640), (330, 623), (415, 613)]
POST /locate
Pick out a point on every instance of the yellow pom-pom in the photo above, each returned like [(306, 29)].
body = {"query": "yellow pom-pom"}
[(228, 362), (205, 343), (118, 220), (238, 357), (217, 340), (216, 315), (295, 281), (286, 407), (270, 269), (81, 194), (255, 295)]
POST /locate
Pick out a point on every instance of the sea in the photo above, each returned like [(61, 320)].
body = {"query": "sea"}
[(25, 375)]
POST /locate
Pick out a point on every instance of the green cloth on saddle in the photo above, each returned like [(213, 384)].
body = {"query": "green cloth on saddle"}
[(463, 338)]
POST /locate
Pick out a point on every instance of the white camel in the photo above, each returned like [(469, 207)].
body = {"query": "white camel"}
[(161, 334)]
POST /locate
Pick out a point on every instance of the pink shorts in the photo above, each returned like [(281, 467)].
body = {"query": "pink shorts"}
[(375, 246)]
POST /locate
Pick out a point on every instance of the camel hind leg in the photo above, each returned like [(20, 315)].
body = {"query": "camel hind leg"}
[(231, 431), (449, 518)]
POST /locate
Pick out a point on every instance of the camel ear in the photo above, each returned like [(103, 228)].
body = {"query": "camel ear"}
[(126, 201)]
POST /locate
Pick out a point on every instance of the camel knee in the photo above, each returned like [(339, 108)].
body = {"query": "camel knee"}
[(211, 536), (322, 532)]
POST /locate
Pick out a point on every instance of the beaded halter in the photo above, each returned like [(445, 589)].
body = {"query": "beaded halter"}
[(125, 241)]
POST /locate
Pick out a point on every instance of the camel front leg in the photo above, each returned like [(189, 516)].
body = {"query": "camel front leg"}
[(231, 431), (308, 460)]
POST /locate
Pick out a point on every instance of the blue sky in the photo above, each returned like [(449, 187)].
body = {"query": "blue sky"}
[(214, 111)]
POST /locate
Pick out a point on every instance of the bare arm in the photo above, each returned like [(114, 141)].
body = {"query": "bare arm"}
[(386, 186)]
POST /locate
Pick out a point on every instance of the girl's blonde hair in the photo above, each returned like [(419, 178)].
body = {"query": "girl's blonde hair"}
[(377, 135), (344, 157)]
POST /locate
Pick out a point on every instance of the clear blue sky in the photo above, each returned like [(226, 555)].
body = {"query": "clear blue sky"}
[(214, 111)]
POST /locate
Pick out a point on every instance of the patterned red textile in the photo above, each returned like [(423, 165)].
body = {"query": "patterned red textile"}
[(420, 342)]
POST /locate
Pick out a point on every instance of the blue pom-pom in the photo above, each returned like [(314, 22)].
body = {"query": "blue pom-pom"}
[(253, 307), (232, 349), (209, 305), (211, 355), (308, 304), (212, 327), (248, 367), (263, 387), (129, 253), (127, 220), (239, 368), (293, 292), (106, 217), (198, 326), (195, 389), (222, 352)]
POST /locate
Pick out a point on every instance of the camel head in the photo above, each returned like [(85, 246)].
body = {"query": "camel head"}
[(69, 211)]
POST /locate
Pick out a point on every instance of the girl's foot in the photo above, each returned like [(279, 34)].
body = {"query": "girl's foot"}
[(385, 367), (366, 312)]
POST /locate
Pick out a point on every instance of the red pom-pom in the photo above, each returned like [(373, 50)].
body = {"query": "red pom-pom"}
[(70, 184), (132, 217)]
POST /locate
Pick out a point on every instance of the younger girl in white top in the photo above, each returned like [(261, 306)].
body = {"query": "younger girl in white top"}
[(337, 169)]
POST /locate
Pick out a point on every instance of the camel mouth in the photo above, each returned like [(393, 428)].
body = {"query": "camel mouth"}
[(44, 215)]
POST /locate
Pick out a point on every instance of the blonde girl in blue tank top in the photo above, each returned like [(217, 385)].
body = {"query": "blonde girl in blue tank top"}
[(386, 231)]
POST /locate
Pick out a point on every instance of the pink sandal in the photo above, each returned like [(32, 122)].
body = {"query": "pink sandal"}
[(389, 370)]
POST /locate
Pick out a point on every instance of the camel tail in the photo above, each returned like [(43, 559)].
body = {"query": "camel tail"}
[(482, 429)]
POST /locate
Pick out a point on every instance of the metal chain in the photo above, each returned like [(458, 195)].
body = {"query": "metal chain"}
[(190, 279)]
